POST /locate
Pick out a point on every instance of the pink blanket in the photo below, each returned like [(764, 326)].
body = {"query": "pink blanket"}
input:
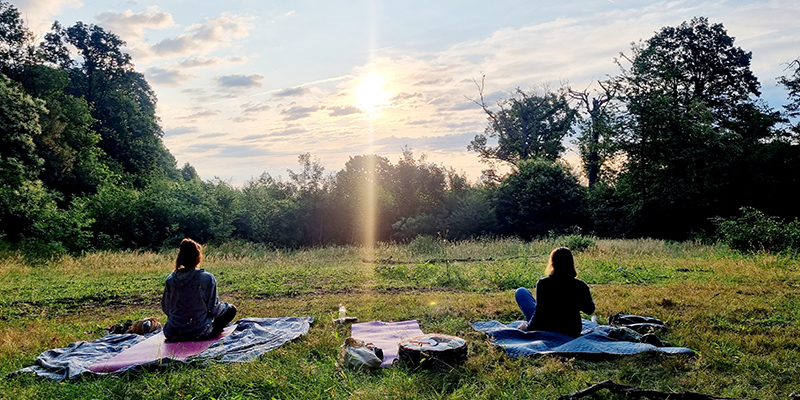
[(155, 348), (386, 335)]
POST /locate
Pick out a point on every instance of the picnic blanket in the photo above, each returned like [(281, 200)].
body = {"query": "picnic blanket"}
[(593, 342), (242, 342), (386, 336), (156, 348)]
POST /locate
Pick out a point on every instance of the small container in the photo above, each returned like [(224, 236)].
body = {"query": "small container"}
[(342, 312)]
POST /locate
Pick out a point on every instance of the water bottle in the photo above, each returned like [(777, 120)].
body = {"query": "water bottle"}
[(342, 312)]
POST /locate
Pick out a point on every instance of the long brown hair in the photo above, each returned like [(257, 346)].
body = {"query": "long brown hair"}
[(561, 264), (190, 253)]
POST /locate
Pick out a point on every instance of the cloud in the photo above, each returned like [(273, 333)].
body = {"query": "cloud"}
[(180, 130), (297, 112), (453, 142), (275, 134), (406, 96), (243, 119), (292, 92), (255, 137), (205, 62), (130, 26), (212, 135), (434, 82), (422, 122), (465, 105), (168, 77), (202, 38), (201, 148), (240, 81), (38, 14), (250, 108), (289, 132), (200, 112), (339, 111), (241, 151)]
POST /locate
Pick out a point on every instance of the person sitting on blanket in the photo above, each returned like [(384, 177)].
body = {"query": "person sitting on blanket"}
[(190, 300), (560, 297)]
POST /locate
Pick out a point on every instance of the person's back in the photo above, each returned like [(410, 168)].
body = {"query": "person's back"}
[(559, 301), (190, 300), (560, 297)]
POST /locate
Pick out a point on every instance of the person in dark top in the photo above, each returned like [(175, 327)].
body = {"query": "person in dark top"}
[(190, 300), (560, 297)]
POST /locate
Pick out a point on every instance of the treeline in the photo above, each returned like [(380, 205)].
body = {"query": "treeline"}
[(677, 138)]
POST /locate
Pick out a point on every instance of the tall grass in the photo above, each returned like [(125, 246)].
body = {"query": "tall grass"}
[(741, 313)]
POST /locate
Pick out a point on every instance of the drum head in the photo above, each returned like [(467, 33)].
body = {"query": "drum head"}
[(433, 350)]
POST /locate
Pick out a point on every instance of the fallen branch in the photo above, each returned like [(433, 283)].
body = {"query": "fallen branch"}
[(637, 393)]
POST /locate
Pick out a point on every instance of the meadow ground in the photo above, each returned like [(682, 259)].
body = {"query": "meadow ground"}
[(740, 313)]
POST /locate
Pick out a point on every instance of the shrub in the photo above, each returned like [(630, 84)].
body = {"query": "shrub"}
[(755, 231), (576, 242)]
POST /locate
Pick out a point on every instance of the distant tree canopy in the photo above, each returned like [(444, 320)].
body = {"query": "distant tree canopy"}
[(123, 104), (83, 165), (792, 84), (692, 128), (527, 125)]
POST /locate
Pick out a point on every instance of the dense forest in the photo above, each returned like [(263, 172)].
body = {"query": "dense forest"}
[(678, 138)]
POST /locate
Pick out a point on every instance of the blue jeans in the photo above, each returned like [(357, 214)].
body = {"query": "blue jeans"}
[(526, 303)]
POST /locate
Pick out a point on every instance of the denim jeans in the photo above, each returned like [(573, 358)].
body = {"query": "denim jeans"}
[(526, 303)]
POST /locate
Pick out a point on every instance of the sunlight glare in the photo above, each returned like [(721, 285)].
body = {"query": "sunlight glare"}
[(370, 95)]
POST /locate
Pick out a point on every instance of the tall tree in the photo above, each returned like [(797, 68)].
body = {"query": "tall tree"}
[(15, 40), (527, 125), (596, 132), (792, 84), (689, 94), (123, 103), (19, 128)]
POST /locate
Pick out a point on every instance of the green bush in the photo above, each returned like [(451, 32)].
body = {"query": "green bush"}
[(755, 231), (576, 242)]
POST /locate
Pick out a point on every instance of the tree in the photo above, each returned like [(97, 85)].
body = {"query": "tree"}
[(691, 123), (595, 141), (122, 102), (19, 127), (527, 125), (363, 184), (696, 61), (73, 162), (419, 187), (538, 198), (15, 39), (792, 84)]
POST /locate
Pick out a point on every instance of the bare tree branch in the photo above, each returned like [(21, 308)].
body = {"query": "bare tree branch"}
[(637, 393)]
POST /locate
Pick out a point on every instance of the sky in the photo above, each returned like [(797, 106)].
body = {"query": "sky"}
[(245, 86)]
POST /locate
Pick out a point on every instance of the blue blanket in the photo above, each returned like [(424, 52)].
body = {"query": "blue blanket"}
[(594, 341), (251, 338)]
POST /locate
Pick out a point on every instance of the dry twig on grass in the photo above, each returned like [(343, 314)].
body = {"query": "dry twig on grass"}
[(637, 393)]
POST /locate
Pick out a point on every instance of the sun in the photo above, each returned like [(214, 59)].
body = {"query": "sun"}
[(370, 95)]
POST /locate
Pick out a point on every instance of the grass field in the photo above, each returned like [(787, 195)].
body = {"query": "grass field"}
[(740, 313)]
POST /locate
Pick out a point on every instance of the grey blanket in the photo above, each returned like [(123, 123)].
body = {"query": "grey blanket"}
[(594, 341), (251, 338)]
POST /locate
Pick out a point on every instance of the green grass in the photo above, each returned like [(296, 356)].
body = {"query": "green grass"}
[(741, 313)]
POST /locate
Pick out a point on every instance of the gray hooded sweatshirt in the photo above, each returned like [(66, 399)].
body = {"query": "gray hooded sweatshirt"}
[(191, 303)]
